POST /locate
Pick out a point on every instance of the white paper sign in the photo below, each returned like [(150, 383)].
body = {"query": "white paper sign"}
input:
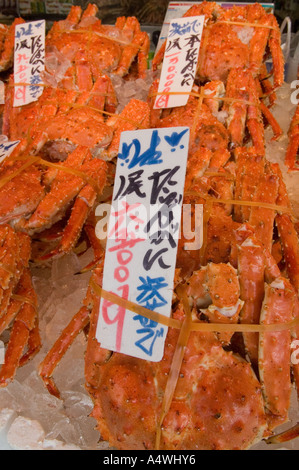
[(180, 61), (143, 234), (6, 148), (29, 61)]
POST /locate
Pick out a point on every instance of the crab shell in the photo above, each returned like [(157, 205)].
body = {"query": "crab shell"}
[(217, 402)]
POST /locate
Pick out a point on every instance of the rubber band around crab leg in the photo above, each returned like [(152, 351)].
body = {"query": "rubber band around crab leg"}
[(76, 106), (6, 179), (105, 36), (34, 159), (195, 326), (7, 269), (282, 209), (200, 95), (118, 116), (157, 317), (45, 85), (186, 327), (241, 23), (26, 300), (41, 161), (222, 174)]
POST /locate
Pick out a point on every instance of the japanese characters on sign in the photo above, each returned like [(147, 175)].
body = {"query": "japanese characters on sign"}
[(29, 61), (180, 61), (6, 148), (143, 234)]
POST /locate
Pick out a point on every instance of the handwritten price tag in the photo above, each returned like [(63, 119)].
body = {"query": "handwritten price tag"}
[(29, 61), (180, 61), (143, 233)]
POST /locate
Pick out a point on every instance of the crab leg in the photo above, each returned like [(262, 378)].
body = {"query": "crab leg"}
[(84, 202), (19, 336), (64, 188), (102, 95), (80, 210), (3, 33), (140, 46), (83, 75), (262, 219), (287, 232), (11, 312), (249, 168), (95, 355), (293, 146), (8, 255), (275, 49), (266, 85), (241, 85), (91, 10), (135, 115), (274, 350), (33, 345), (71, 20), (251, 267), (71, 331), (293, 432), (6, 59), (77, 324), (89, 229), (272, 121)]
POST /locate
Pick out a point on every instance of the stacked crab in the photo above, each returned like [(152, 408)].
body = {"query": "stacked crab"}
[(226, 376), (52, 180)]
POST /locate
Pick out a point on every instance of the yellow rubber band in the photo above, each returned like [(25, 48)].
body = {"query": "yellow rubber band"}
[(195, 326), (264, 205), (21, 298), (241, 23)]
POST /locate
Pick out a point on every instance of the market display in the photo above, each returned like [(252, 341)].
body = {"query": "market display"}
[(226, 377)]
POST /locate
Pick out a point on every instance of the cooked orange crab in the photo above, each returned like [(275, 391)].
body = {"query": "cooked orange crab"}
[(83, 39), (237, 105), (62, 119), (216, 401), (235, 37)]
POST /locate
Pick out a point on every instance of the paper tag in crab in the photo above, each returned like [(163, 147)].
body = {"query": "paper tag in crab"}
[(143, 234), (180, 62), (29, 61), (6, 148)]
